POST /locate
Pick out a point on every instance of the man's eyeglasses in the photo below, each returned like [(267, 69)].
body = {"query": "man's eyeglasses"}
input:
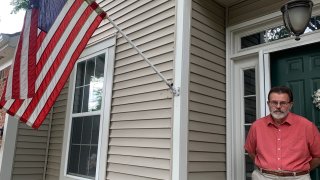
[(276, 103)]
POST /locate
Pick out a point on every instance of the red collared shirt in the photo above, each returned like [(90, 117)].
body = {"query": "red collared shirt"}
[(288, 147)]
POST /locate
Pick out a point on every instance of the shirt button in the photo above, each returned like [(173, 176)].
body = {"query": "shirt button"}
[(279, 129), (279, 168), (278, 149), (278, 158), (279, 139)]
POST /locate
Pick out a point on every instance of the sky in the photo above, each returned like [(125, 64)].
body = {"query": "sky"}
[(10, 23)]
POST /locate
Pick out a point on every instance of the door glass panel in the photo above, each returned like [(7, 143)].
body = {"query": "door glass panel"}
[(249, 99)]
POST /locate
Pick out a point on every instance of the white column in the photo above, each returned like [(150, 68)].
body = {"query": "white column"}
[(7, 149), (181, 81)]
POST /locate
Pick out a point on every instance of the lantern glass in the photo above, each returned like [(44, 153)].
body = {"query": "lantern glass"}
[(296, 16)]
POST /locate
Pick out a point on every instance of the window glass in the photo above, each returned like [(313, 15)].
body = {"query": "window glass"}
[(249, 82), (276, 33), (90, 68), (249, 99), (84, 135), (80, 73)]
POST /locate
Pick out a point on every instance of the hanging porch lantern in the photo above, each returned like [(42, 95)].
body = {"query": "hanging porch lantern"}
[(296, 16)]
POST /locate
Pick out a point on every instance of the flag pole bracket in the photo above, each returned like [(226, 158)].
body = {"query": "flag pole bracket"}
[(174, 91)]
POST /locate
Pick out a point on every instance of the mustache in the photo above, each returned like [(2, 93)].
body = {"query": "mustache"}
[(275, 111)]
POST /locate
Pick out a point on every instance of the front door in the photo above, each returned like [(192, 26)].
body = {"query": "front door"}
[(299, 69)]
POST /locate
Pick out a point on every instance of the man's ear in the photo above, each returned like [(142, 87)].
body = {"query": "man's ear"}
[(291, 105)]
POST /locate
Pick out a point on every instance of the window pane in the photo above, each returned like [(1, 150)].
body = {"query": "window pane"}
[(250, 109), (73, 159), (99, 66), (89, 71), (77, 104), (87, 129), (252, 40), (249, 167), (246, 127), (80, 74), (95, 129), (76, 130), (84, 156), (92, 161), (85, 99), (95, 95), (249, 82)]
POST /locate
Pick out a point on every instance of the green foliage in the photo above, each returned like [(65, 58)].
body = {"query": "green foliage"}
[(19, 5)]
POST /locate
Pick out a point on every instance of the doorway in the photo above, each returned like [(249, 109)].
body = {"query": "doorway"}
[(299, 69)]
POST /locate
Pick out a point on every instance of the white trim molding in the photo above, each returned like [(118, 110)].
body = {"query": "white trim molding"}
[(181, 80)]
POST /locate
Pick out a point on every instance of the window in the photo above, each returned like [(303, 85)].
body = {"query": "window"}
[(276, 33), (85, 142), (249, 99), (85, 125)]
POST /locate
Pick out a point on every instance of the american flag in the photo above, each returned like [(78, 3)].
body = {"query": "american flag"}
[(53, 36)]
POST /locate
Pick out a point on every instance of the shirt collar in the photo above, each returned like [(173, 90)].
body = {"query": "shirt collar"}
[(288, 120)]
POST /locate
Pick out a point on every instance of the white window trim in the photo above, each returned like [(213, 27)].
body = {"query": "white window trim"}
[(234, 53), (106, 46)]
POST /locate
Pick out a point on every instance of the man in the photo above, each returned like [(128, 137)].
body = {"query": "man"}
[(283, 145)]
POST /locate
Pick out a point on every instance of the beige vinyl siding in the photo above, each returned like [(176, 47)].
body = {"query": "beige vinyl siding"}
[(207, 93), (140, 127), (56, 135), (35, 154), (30, 152), (250, 9)]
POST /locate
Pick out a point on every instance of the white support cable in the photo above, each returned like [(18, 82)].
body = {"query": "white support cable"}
[(174, 91)]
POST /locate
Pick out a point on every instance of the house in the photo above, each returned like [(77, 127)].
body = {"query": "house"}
[(116, 119)]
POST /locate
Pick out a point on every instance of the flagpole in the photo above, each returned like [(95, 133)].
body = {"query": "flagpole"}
[(170, 85)]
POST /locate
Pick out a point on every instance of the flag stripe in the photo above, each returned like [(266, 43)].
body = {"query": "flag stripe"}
[(52, 68), (14, 80), (31, 63), (56, 91), (7, 93), (40, 38)]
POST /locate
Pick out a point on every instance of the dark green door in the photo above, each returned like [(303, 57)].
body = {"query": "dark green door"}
[(299, 69)]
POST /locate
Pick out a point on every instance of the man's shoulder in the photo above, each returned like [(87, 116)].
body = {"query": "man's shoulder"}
[(262, 120), (300, 119)]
